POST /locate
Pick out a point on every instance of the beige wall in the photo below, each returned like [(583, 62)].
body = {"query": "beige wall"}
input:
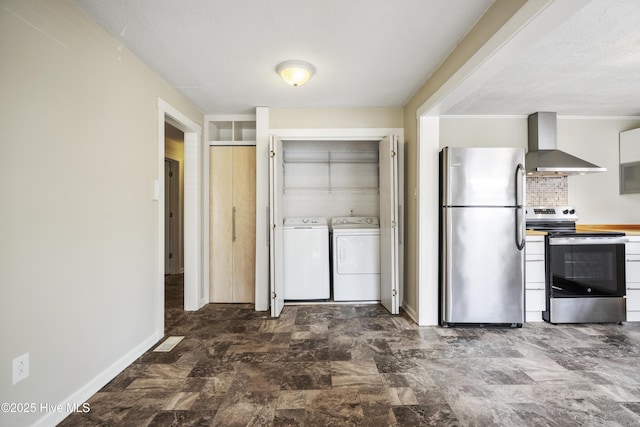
[(596, 196), (79, 137), (497, 15), (483, 131), (322, 118)]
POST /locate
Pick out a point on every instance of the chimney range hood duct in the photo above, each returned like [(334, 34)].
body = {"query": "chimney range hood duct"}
[(544, 158)]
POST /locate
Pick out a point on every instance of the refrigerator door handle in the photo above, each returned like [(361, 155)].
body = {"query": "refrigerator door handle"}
[(521, 175), (521, 239), (520, 210)]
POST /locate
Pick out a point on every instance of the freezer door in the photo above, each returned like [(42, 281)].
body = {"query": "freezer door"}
[(483, 176), (482, 277)]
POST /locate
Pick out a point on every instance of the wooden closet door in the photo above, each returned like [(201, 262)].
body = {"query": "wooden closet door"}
[(232, 229), (244, 202), (220, 225)]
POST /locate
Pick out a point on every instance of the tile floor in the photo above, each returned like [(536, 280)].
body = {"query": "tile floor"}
[(342, 365)]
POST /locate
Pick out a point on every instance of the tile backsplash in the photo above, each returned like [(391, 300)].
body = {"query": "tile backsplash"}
[(547, 191)]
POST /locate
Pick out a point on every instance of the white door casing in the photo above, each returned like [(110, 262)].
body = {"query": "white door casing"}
[(192, 219), (276, 253), (390, 138)]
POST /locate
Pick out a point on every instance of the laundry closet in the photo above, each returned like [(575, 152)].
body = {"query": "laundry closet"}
[(357, 185)]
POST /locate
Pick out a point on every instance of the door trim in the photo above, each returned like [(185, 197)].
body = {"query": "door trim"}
[(193, 286), (263, 285)]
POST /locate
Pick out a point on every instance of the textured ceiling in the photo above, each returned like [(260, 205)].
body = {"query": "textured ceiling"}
[(222, 54), (589, 65)]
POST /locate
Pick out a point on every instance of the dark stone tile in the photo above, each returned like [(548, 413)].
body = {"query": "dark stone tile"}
[(253, 358), (160, 357), (359, 365), (289, 418), (119, 383), (310, 350), (505, 377), (380, 346), (210, 368), (113, 416), (334, 408), (425, 415), (138, 417), (208, 402), (305, 376), (633, 407), (395, 380), (389, 364), (182, 419), (242, 408), (339, 355)]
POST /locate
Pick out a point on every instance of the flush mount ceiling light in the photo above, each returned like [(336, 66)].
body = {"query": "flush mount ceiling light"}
[(296, 73)]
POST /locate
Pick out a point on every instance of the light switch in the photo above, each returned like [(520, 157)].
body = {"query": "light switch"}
[(156, 190)]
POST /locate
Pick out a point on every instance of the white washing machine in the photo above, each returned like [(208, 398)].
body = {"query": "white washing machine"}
[(356, 258), (306, 259)]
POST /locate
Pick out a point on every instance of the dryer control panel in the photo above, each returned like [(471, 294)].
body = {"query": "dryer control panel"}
[(305, 222), (355, 222)]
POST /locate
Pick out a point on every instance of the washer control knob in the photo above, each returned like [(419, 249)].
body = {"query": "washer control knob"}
[(305, 220), (369, 220)]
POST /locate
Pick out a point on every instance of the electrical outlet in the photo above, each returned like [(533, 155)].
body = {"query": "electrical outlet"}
[(20, 368)]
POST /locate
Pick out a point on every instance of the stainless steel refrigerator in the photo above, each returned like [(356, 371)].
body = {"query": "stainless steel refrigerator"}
[(482, 236)]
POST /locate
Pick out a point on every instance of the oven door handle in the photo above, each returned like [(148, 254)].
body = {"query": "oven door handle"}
[(568, 241)]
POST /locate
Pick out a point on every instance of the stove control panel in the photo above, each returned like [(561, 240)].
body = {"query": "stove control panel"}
[(544, 213)]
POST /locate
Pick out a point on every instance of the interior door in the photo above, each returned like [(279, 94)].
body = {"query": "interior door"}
[(244, 223), (221, 227), (389, 273), (276, 220), (171, 217)]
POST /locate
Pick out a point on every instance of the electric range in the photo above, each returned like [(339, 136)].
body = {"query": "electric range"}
[(584, 271)]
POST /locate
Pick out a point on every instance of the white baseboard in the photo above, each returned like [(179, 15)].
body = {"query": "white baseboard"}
[(92, 387)]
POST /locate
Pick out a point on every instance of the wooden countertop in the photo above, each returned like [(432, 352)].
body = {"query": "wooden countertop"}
[(536, 233), (628, 229)]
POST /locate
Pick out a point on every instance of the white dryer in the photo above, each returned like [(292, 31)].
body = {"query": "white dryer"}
[(356, 258), (306, 259)]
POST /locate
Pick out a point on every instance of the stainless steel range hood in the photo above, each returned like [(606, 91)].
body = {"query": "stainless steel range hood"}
[(544, 158)]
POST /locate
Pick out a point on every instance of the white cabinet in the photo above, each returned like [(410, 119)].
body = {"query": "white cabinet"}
[(630, 161), (535, 302), (231, 130), (633, 278)]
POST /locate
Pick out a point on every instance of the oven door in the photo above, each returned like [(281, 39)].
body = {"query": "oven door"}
[(586, 267)]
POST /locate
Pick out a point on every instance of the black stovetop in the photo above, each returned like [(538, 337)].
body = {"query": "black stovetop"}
[(576, 233)]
